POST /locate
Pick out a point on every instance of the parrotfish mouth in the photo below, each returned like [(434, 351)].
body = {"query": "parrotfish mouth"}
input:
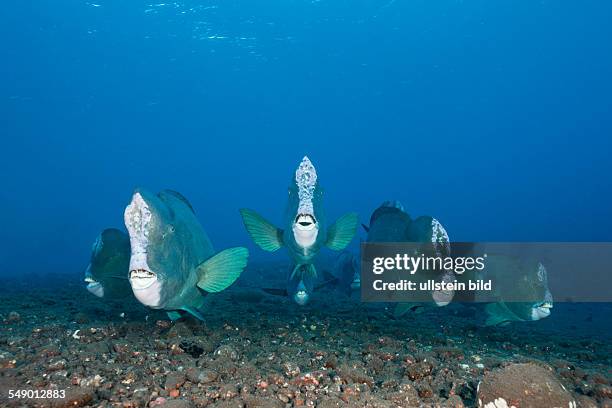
[(305, 222), (146, 287), (305, 230), (94, 287), (142, 278), (541, 310), (301, 297), (356, 283)]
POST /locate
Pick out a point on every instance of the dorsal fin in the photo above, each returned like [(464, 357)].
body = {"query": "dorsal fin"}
[(178, 195), (389, 207)]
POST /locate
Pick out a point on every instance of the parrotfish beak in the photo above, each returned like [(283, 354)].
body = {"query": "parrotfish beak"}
[(541, 310), (94, 287), (301, 296), (305, 222), (356, 283)]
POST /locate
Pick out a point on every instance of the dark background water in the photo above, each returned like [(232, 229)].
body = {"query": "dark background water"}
[(494, 117)]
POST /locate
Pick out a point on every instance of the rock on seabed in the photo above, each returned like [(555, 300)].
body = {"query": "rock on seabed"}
[(523, 385)]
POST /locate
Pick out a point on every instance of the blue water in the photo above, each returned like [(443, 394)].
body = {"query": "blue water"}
[(494, 117)]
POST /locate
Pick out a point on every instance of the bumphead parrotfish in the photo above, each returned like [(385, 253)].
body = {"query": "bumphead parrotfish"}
[(521, 286), (391, 223), (173, 264), (107, 273), (346, 277), (305, 231)]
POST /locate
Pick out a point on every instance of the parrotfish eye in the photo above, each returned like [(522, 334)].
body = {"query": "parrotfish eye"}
[(169, 230)]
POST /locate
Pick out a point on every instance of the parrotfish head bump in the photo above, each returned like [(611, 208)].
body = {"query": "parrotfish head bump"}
[(439, 238), (305, 226), (139, 221), (301, 296)]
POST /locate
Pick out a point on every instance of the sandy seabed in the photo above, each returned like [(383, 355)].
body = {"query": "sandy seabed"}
[(258, 350)]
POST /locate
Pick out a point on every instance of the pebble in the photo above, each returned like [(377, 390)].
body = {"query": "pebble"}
[(174, 380), (199, 376), (81, 318), (291, 369), (227, 351), (13, 317)]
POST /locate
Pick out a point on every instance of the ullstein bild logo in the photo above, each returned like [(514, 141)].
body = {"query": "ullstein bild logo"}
[(486, 272)]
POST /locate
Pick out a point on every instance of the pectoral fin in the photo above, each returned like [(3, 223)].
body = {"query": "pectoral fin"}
[(402, 308), (264, 234), (498, 314), (342, 232), (329, 280), (174, 315), (194, 312), (220, 271), (276, 292)]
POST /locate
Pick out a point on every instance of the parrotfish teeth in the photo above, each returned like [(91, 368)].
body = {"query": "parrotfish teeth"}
[(306, 180), (141, 273)]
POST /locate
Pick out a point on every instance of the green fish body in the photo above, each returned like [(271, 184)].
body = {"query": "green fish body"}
[(521, 287), (107, 273), (390, 223), (173, 264), (304, 230)]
